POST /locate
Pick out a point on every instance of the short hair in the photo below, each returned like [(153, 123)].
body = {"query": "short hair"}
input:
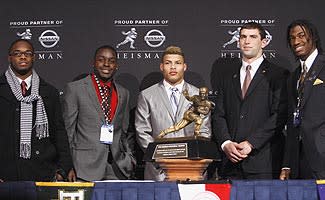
[(311, 30), (254, 25), (105, 47), (172, 50), (19, 40)]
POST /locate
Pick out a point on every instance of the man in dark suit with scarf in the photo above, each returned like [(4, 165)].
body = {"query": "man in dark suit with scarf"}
[(33, 141)]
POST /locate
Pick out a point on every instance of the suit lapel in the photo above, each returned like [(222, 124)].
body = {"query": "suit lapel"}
[(94, 101), (294, 83), (236, 82), (259, 75), (43, 90), (311, 77), (119, 102), (165, 99)]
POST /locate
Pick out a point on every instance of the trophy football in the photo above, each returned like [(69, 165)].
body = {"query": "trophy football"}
[(185, 158)]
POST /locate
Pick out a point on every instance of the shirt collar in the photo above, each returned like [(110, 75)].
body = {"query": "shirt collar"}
[(255, 64), (310, 60), (178, 86), (28, 81), (102, 83)]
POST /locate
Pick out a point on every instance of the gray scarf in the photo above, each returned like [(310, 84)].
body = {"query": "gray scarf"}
[(26, 112)]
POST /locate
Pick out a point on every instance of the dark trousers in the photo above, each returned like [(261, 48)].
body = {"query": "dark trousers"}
[(305, 171), (232, 171)]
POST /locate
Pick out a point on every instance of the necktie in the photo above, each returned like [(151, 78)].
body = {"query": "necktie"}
[(23, 86), (302, 77), (173, 99), (247, 80)]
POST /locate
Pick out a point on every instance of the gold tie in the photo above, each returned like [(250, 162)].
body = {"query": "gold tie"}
[(247, 80), (302, 76)]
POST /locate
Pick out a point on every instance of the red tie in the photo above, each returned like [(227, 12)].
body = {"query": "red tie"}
[(23, 88)]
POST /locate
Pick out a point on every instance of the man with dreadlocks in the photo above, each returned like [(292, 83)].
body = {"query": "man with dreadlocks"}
[(33, 141), (304, 156)]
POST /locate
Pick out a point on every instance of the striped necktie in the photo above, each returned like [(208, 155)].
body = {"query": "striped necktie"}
[(23, 86), (173, 100), (302, 77)]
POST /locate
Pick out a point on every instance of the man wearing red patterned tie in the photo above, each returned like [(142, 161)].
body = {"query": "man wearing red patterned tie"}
[(33, 141), (96, 115), (250, 111)]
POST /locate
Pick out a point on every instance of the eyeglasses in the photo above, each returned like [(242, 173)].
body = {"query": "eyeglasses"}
[(27, 54)]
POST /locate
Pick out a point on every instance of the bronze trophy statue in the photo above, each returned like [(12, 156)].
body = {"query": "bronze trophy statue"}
[(185, 158), (201, 107)]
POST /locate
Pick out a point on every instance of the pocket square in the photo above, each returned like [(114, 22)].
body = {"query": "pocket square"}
[(318, 81)]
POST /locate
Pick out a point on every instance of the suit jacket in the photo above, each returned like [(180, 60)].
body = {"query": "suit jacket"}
[(154, 114), (48, 154), (312, 128), (258, 118), (83, 118)]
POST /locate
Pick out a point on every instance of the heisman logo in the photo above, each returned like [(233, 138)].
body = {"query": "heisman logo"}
[(235, 37), (154, 38), (131, 35), (27, 35), (49, 39)]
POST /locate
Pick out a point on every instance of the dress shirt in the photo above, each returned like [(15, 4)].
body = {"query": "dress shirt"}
[(178, 86), (28, 81), (310, 60), (255, 65), (114, 98)]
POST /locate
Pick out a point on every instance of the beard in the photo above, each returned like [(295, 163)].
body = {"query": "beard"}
[(20, 72)]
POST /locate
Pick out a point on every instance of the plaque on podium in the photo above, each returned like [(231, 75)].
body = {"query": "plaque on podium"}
[(182, 147), (184, 158)]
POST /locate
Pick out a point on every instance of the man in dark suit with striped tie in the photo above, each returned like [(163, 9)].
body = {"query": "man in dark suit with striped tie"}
[(305, 146)]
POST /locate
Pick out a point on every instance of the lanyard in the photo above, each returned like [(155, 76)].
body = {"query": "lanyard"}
[(106, 100)]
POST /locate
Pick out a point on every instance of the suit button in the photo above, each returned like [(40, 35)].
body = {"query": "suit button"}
[(17, 109), (17, 130), (241, 117), (36, 152)]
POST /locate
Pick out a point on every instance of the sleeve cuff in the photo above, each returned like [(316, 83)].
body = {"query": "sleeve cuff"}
[(224, 144)]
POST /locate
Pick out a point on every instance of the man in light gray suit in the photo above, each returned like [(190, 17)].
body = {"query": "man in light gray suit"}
[(162, 105), (96, 115)]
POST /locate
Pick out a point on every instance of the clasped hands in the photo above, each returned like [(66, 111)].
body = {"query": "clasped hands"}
[(237, 151)]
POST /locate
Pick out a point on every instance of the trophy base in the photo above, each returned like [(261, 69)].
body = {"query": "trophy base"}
[(184, 169), (193, 148)]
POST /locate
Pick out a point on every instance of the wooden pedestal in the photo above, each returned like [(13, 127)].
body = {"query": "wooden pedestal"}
[(184, 169)]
